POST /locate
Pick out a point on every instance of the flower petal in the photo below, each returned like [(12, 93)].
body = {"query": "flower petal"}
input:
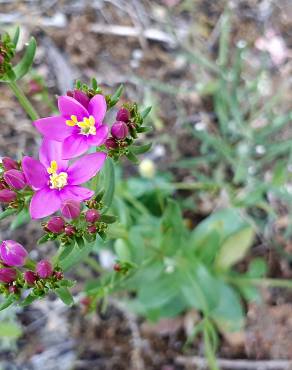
[(97, 108), (53, 128), (44, 203), (69, 106), (35, 172), (85, 168), (52, 151), (100, 137), (74, 146), (74, 192)]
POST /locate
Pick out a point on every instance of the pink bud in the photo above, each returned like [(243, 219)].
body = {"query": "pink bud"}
[(70, 209), (119, 130), (56, 225), (7, 196), (9, 164), (13, 289), (1, 59), (92, 215), (111, 143), (58, 275), (15, 179), (7, 275), (81, 97), (44, 269), (12, 253), (30, 277), (123, 115), (70, 230), (92, 229)]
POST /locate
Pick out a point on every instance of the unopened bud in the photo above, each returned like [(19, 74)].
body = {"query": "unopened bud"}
[(92, 229), (58, 275), (30, 277), (9, 164), (13, 289), (15, 179), (55, 225), (70, 230), (7, 275), (12, 253), (111, 143), (119, 130), (117, 267), (7, 196), (92, 215), (123, 115), (80, 96), (70, 209), (44, 269)]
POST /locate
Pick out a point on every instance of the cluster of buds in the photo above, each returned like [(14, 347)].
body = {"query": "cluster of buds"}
[(124, 132), (17, 275), (76, 223), (12, 182), (7, 52)]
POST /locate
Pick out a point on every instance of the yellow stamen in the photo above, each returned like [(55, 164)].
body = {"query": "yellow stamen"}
[(87, 125), (57, 181)]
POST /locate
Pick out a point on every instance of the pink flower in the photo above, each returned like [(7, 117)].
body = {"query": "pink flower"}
[(12, 253), (55, 181), (77, 128), (70, 209), (44, 269)]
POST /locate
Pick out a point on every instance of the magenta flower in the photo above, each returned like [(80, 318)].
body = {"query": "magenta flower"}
[(55, 181), (77, 128), (12, 253)]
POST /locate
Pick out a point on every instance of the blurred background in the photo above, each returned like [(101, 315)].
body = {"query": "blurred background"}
[(218, 77)]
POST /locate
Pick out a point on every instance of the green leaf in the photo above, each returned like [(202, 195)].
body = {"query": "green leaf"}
[(29, 299), (10, 330), (122, 250), (94, 83), (7, 212), (65, 295), (65, 250), (131, 157), (140, 149), (25, 63), (43, 239), (257, 268), (16, 36), (235, 248), (109, 184), (8, 302), (116, 97), (76, 256), (108, 219), (145, 112)]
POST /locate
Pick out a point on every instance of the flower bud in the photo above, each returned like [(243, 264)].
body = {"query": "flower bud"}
[(70, 230), (7, 196), (7, 275), (117, 267), (9, 164), (44, 269), (111, 143), (80, 96), (92, 215), (119, 130), (92, 229), (15, 179), (30, 277), (56, 225), (70, 209), (13, 289), (1, 59), (12, 253), (123, 115), (58, 275)]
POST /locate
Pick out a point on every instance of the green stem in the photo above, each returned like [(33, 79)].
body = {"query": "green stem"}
[(209, 352), (24, 102)]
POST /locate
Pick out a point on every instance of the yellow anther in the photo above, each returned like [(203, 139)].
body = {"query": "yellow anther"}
[(58, 181), (87, 125), (73, 121), (53, 168)]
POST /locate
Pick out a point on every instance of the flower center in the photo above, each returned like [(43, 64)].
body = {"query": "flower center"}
[(87, 126), (57, 180)]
